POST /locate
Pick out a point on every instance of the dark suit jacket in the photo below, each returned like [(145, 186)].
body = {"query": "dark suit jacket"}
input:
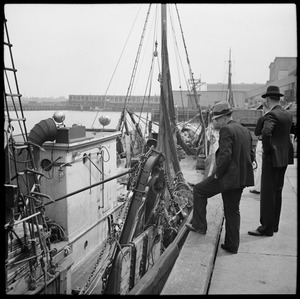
[(275, 128), (234, 157)]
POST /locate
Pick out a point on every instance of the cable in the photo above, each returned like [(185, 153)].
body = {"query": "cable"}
[(118, 60)]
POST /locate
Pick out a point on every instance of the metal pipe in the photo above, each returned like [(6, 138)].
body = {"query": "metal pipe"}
[(93, 163)]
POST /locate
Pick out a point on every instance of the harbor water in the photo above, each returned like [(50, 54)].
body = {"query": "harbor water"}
[(89, 119)]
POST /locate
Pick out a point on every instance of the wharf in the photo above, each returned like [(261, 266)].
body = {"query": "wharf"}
[(263, 265)]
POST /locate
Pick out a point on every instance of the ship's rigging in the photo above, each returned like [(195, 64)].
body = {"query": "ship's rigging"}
[(132, 123), (158, 198)]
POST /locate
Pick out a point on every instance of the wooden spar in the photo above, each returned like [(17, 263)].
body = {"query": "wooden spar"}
[(167, 121), (229, 91)]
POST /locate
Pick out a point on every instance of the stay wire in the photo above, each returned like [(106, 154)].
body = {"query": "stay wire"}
[(194, 86), (178, 56), (143, 55), (119, 59), (121, 124), (150, 76)]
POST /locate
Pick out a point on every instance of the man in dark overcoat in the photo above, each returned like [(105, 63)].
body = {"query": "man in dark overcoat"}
[(275, 128), (233, 172)]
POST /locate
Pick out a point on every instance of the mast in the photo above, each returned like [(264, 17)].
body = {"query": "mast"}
[(229, 91), (167, 131)]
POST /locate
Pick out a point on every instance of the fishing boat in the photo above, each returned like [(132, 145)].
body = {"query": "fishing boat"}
[(81, 218)]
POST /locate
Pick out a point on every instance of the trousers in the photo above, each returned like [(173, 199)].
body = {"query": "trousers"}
[(272, 181), (231, 204)]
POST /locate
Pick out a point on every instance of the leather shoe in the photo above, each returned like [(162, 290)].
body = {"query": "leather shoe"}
[(193, 229), (254, 191), (223, 246), (258, 233)]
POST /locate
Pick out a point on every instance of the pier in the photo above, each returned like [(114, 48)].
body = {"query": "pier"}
[(263, 265)]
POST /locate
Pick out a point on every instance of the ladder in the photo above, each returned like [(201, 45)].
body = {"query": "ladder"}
[(23, 197), (10, 72)]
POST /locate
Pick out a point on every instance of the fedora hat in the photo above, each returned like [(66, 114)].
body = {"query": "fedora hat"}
[(220, 109), (272, 91)]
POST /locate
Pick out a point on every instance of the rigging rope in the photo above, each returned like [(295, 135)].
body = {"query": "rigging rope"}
[(133, 73), (149, 83), (118, 61), (123, 120), (194, 87), (176, 50), (178, 53), (150, 77)]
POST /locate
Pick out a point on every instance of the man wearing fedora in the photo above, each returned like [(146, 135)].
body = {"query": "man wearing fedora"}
[(233, 172), (275, 128)]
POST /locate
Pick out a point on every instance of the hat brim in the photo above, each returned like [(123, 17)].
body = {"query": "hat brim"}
[(218, 116), (272, 94)]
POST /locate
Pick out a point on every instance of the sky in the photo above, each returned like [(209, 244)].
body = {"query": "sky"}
[(91, 49)]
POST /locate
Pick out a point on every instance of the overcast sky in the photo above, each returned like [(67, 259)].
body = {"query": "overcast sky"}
[(63, 49)]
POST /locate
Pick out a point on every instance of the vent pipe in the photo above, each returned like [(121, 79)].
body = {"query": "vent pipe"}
[(43, 131)]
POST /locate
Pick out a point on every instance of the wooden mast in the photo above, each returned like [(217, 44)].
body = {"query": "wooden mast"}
[(167, 120), (229, 91)]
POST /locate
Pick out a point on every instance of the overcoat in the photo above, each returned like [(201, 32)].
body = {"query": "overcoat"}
[(234, 157), (275, 128)]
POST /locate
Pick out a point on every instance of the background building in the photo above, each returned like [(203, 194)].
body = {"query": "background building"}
[(113, 102), (282, 72), (213, 94)]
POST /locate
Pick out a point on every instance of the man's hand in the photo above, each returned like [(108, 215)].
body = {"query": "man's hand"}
[(254, 164)]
